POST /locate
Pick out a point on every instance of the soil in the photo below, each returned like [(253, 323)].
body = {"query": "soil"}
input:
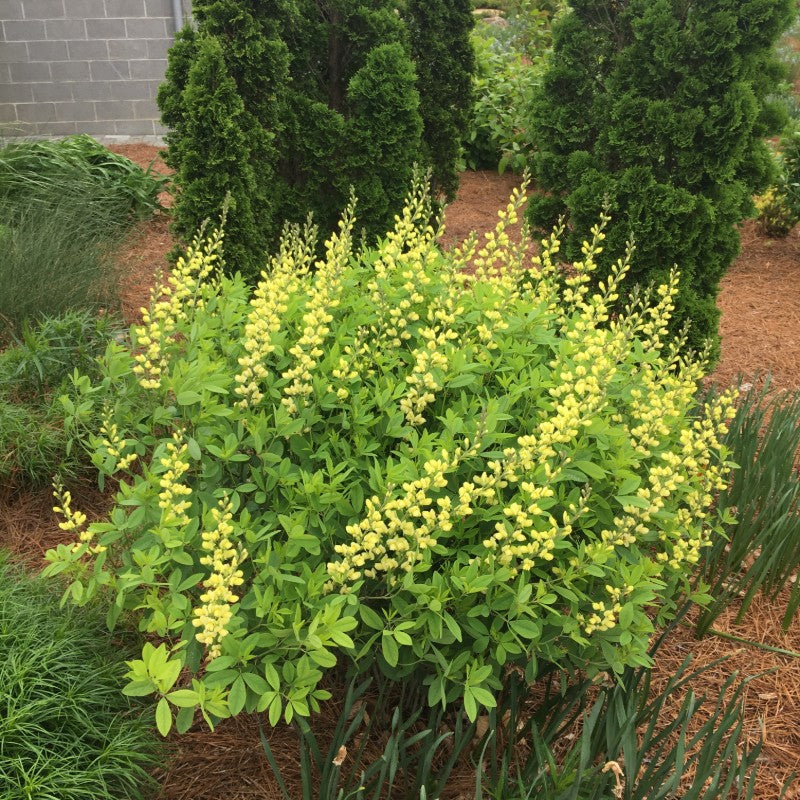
[(760, 330)]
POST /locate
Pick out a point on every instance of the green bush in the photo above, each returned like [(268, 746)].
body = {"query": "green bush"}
[(386, 462), (656, 109), (35, 371), (65, 206), (497, 136), (222, 99), (67, 731), (779, 207)]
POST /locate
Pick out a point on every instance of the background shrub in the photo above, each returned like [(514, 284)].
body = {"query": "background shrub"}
[(440, 45), (67, 730), (386, 464), (657, 109)]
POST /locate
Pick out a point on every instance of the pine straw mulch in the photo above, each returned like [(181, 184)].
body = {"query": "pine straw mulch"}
[(760, 332)]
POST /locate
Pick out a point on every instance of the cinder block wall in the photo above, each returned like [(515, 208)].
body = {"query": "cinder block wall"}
[(82, 66)]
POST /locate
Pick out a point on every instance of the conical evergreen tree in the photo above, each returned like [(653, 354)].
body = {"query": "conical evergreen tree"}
[(444, 59), (217, 164), (658, 107)]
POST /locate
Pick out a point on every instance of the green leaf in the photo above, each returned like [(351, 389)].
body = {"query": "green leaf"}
[(188, 397), (389, 649), (184, 698), (237, 696), (163, 717)]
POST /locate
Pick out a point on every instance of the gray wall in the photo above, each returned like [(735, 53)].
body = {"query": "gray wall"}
[(82, 66)]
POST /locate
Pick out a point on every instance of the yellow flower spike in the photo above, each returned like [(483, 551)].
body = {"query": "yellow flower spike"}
[(212, 617)]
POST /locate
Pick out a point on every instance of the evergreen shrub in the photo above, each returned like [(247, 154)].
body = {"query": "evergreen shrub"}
[(308, 102), (657, 108), (380, 461)]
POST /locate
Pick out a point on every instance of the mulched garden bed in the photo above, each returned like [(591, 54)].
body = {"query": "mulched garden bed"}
[(760, 333)]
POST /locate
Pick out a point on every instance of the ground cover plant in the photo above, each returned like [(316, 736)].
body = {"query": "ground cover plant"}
[(658, 109), (385, 466), (66, 729), (64, 206)]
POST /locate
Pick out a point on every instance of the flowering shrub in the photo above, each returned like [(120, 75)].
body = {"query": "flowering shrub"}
[(382, 460)]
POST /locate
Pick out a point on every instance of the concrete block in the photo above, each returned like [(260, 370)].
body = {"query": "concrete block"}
[(145, 109), (105, 28), (48, 51), (124, 8), (131, 90), (30, 71), (50, 92), (134, 127), (36, 112), (75, 111), (43, 9), (158, 8), (65, 29), (5, 73), (127, 48), (12, 130), (159, 129), (90, 50), (150, 68), (103, 127), (157, 48), (85, 9), (26, 30), (146, 28), (110, 70), (70, 70), (12, 9), (8, 112), (114, 109), (16, 93), (13, 51), (88, 90), (66, 128)]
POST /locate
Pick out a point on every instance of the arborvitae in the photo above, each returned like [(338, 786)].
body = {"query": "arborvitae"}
[(657, 108), (383, 133), (216, 164), (329, 100), (445, 61), (256, 60), (354, 113)]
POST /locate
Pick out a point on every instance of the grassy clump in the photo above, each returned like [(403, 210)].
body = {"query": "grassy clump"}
[(64, 206), (66, 730), (35, 372)]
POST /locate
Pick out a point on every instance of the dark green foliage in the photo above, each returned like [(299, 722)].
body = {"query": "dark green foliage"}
[(218, 162), (384, 133), (224, 116), (66, 730), (657, 107), (328, 98), (445, 62)]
